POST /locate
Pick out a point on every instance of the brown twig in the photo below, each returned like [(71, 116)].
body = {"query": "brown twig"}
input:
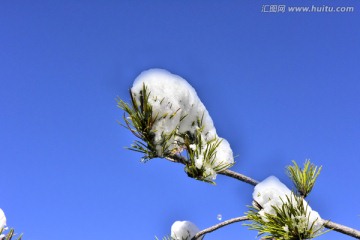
[(342, 229), (227, 172), (220, 225), (177, 159), (239, 176)]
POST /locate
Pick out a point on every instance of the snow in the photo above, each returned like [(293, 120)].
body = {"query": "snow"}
[(171, 95), (269, 193), (184, 230), (224, 153), (272, 192), (2, 219)]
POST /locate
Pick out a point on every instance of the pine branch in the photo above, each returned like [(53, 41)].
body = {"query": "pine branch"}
[(220, 225), (9, 235), (140, 123), (343, 229), (141, 120), (227, 172), (330, 225), (304, 179), (290, 219), (239, 176), (177, 159)]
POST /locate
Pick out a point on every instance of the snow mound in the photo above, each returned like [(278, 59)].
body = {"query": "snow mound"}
[(184, 230), (177, 106), (272, 192)]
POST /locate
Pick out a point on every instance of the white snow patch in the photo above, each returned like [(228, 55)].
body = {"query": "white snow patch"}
[(2, 219), (170, 94), (184, 230), (271, 192)]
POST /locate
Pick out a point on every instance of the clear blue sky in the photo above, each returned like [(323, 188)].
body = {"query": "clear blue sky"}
[(279, 87)]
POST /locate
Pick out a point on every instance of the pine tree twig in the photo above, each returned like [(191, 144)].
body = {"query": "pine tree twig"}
[(330, 225), (342, 229), (227, 172), (220, 225), (177, 159), (239, 176)]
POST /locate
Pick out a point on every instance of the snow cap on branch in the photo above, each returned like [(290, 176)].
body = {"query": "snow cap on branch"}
[(171, 94), (273, 193), (184, 230), (178, 108), (270, 192), (2, 219)]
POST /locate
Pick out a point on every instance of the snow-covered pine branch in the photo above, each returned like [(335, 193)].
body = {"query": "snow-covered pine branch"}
[(281, 214), (168, 117)]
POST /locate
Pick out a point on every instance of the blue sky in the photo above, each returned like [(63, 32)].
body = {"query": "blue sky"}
[(279, 87)]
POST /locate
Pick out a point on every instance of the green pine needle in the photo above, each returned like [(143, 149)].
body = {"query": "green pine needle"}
[(10, 234), (197, 147), (304, 179), (290, 221), (140, 119)]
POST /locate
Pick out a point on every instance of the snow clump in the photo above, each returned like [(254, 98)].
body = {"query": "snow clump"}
[(184, 230), (271, 192), (2, 219), (2, 223), (177, 106)]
